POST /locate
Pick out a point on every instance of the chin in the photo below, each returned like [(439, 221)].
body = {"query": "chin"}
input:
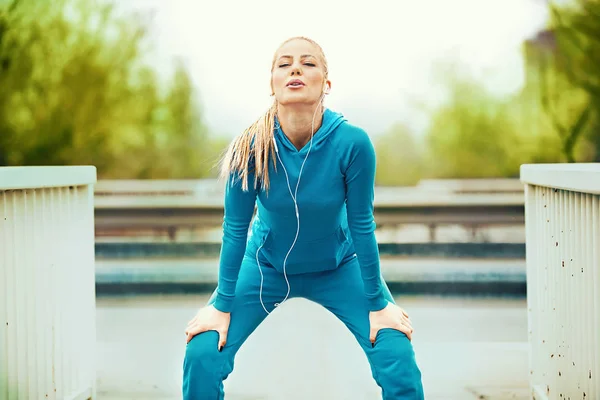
[(297, 99)]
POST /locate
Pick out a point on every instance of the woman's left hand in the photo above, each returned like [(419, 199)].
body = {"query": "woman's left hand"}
[(392, 316)]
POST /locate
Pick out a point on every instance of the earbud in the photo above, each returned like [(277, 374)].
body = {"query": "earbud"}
[(275, 144)]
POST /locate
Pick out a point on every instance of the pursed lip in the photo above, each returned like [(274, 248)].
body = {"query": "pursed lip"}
[(295, 81)]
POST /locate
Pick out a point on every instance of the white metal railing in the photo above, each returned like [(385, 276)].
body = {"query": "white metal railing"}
[(47, 285), (562, 211)]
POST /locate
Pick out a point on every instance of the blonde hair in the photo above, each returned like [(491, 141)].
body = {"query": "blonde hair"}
[(252, 150)]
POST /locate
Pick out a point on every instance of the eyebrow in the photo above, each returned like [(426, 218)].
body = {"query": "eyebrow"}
[(302, 56)]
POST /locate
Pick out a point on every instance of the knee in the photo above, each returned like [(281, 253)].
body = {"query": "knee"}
[(394, 346), (395, 367), (202, 356)]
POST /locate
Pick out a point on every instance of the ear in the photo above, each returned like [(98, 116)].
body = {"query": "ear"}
[(327, 87)]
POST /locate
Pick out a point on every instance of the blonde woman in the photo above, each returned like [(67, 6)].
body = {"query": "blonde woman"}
[(310, 174)]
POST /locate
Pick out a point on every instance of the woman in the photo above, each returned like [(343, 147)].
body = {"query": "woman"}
[(311, 176)]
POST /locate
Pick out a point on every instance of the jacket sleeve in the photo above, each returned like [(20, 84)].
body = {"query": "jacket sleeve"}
[(238, 211), (360, 194)]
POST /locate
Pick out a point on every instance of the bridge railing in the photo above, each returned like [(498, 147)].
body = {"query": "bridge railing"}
[(170, 208), (563, 279), (47, 291)]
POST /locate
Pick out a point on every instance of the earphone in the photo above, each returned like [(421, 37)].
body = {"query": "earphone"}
[(294, 198)]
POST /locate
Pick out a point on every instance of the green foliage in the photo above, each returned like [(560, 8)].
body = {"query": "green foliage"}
[(476, 134), (399, 157), (554, 118), (566, 59), (75, 91), (577, 30), (472, 136)]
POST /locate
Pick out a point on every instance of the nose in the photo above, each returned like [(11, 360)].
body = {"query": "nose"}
[(296, 71)]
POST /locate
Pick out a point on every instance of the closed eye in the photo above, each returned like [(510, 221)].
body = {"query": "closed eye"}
[(287, 65)]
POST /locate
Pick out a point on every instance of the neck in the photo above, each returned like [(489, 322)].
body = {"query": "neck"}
[(297, 122)]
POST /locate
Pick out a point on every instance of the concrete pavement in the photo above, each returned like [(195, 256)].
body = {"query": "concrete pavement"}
[(468, 348)]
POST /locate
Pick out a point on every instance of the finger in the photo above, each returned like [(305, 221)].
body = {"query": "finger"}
[(408, 334), (406, 330), (373, 336), (188, 331), (191, 324), (409, 328), (194, 329), (190, 336), (222, 339)]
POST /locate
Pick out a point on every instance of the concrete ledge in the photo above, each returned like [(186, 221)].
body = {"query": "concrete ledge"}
[(477, 185), (18, 178), (384, 198), (579, 177), (445, 289), (133, 250), (158, 187), (425, 276)]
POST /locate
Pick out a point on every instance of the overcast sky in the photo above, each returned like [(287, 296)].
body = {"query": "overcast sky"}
[(381, 52)]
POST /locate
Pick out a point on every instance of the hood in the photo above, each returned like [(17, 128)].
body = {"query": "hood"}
[(331, 120)]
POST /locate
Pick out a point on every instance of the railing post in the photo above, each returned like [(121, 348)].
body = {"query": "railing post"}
[(562, 210), (47, 283)]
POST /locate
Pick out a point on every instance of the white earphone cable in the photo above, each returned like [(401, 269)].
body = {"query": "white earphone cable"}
[(294, 198)]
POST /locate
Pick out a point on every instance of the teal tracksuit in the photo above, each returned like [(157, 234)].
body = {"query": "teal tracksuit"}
[(334, 261)]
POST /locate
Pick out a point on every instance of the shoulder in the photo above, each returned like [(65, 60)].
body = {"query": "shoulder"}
[(348, 132), (354, 148), (351, 139)]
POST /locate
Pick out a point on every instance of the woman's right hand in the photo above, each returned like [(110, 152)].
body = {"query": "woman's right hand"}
[(209, 319)]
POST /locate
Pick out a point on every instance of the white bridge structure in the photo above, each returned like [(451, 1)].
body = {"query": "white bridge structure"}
[(47, 264)]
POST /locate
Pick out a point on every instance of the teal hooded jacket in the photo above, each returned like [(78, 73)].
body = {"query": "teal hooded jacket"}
[(335, 209)]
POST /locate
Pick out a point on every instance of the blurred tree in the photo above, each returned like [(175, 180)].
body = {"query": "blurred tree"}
[(578, 33), (563, 62), (75, 91), (399, 157), (472, 135), (576, 26), (185, 126), (567, 108), (554, 118)]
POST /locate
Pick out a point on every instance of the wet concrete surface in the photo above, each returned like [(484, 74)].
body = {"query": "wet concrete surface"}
[(467, 348)]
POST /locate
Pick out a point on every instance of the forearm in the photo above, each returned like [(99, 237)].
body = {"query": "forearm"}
[(367, 253), (360, 196), (238, 208), (232, 253)]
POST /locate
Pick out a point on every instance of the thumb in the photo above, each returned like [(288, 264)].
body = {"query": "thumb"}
[(373, 335), (222, 339)]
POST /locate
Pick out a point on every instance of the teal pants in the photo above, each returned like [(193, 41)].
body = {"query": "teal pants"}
[(391, 358)]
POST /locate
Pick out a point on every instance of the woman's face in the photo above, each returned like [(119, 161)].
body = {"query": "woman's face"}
[(298, 75)]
